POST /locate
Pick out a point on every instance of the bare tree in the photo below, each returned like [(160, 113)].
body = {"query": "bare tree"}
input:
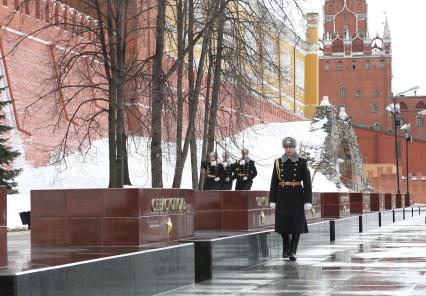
[(93, 70)]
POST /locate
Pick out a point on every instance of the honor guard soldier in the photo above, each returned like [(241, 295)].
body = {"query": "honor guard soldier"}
[(289, 198), (245, 171), (228, 172), (213, 171)]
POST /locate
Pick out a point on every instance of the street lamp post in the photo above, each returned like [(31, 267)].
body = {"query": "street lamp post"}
[(406, 129), (395, 110), (395, 124)]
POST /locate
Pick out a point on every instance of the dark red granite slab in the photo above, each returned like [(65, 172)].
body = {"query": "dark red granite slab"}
[(111, 217)]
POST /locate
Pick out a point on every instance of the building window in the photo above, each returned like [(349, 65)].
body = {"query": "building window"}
[(300, 74), (342, 92), (377, 93), (358, 93), (382, 64), (376, 126), (419, 121), (269, 53), (403, 106), (250, 41), (420, 106), (373, 108), (327, 66), (367, 65), (285, 65), (339, 66), (228, 34), (353, 65)]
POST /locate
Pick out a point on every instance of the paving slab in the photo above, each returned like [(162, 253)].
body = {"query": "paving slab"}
[(389, 260)]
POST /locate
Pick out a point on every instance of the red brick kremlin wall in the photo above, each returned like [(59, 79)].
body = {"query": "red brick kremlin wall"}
[(28, 69), (379, 147)]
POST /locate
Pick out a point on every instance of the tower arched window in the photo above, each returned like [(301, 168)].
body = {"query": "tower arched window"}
[(376, 126), (377, 93), (353, 65), (338, 46), (342, 92), (382, 64), (367, 65), (358, 93), (420, 106), (373, 108), (327, 66), (403, 106)]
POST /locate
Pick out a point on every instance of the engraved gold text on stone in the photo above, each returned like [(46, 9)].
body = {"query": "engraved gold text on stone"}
[(261, 201), (168, 204)]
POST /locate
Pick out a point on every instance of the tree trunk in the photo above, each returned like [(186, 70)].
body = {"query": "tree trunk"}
[(206, 118), (126, 176), (112, 131), (121, 142), (193, 95), (180, 100), (216, 83), (194, 164), (157, 99)]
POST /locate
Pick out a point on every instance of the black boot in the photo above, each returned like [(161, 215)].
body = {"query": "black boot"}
[(286, 244), (293, 247)]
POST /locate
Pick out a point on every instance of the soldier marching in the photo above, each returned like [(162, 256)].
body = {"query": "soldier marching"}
[(291, 195)]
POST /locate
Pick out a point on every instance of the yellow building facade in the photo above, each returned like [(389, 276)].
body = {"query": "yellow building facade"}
[(287, 65)]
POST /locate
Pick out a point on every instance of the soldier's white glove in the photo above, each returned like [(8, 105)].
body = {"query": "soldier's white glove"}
[(217, 179), (227, 179), (213, 163), (243, 162), (245, 178), (308, 206), (225, 164), (272, 205)]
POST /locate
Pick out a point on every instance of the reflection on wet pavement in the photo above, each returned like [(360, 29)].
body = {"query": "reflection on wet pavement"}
[(387, 261)]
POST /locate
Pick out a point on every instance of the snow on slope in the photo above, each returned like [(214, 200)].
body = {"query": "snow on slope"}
[(91, 171)]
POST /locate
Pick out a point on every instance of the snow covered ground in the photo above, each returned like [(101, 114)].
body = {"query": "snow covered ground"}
[(91, 171)]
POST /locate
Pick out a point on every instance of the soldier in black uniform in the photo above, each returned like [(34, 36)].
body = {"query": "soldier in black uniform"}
[(245, 171), (289, 197), (228, 172), (213, 171)]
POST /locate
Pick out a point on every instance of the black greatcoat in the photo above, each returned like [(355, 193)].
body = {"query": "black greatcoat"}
[(228, 176), (290, 200), (212, 172), (248, 169)]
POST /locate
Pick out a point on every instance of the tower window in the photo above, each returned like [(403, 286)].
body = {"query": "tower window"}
[(339, 66), (381, 64), (377, 93), (419, 121), (376, 126), (358, 93), (327, 66), (420, 106), (373, 108), (403, 106), (353, 65), (367, 65), (342, 92)]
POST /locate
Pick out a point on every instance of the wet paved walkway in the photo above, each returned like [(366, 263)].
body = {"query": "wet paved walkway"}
[(387, 261)]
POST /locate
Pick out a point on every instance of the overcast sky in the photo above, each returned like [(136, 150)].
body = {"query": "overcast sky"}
[(407, 22)]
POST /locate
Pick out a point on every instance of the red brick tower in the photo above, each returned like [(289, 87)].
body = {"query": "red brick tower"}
[(356, 70)]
